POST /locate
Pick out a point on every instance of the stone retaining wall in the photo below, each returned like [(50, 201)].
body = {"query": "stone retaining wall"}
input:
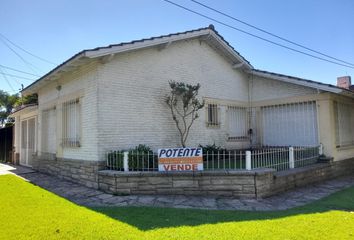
[(79, 171), (241, 184), (283, 181), (223, 183)]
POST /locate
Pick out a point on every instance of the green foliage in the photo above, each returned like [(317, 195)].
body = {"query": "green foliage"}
[(9, 123), (216, 157), (29, 99), (39, 214), (115, 160), (142, 158), (7, 103), (184, 106), (212, 148)]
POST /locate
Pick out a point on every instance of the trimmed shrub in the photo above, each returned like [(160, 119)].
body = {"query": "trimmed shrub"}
[(115, 160), (212, 148), (142, 158)]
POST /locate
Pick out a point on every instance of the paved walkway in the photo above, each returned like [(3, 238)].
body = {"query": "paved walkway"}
[(91, 197)]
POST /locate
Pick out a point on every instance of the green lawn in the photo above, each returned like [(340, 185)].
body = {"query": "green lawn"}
[(29, 212)]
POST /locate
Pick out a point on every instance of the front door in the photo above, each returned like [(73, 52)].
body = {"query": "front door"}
[(28, 141)]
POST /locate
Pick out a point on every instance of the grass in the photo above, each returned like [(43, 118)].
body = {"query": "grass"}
[(29, 212)]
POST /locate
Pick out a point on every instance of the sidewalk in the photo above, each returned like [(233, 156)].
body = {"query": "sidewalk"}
[(90, 197)]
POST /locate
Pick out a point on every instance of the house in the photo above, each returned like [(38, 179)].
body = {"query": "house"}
[(112, 98)]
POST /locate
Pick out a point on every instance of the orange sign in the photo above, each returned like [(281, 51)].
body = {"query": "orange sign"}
[(180, 159)]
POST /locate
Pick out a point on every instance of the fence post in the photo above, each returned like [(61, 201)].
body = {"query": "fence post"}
[(291, 157), (248, 160), (125, 162), (320, 149), (107, 161)]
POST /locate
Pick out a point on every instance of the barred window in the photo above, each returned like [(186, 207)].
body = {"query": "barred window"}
[(344, 121), (213, 115), (71, 123), (238, 123)]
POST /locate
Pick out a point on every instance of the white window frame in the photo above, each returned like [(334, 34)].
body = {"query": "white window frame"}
[(45, 148), (240, 120), (344, 124), (72, 123), (212, 115)]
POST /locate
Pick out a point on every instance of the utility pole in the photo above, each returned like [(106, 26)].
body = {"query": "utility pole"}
[(21, 95)]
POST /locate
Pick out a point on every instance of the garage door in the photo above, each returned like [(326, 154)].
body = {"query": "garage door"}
[(290, 124)]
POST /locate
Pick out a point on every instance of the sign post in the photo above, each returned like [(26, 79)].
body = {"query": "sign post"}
[(180, 159)]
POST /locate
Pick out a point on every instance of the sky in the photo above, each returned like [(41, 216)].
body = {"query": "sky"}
[(56, 30)]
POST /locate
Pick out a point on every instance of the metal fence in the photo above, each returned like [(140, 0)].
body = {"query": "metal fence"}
[(279, 158), (275, 157), (224, 160), (284, 158), (132, 161), (304, 156)]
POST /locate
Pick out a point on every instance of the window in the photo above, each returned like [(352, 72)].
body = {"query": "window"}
[(292, 124), (213, 115), (238, 123), (49, 121), (344, 120), (71, 123)]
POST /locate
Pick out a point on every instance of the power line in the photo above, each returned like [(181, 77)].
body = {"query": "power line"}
[(16, 70), (18, 55), (4, 73), (33, 55), (271, 34), (256, 36), (12, 75), (7, 80)]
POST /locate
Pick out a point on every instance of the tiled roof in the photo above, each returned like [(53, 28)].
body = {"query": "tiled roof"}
[(210, 27), (301, 80)]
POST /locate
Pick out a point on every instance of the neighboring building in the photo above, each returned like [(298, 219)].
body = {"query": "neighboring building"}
[(344, 82), (111, 98)]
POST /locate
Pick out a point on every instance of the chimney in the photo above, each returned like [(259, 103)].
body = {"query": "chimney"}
[(344, 82)]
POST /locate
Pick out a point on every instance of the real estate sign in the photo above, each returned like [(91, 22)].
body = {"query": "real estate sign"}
[(180, 159)]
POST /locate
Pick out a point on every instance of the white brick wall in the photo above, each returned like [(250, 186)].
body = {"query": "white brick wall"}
[(82, 82), (132, 87), (122, 100), (267, 89)]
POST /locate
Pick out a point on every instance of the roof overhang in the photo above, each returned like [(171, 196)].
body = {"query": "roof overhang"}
[(70, 65), (24, 110), (302, 82), (208, 35)]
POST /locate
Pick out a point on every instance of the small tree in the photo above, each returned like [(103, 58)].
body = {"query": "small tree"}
[(7, 102), (29, 99), (184, 106)]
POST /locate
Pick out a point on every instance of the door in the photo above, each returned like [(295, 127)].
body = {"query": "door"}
[(28, 141)]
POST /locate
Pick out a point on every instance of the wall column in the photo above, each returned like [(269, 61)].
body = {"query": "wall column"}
[(326, 126), (59, 132), (17, 134)]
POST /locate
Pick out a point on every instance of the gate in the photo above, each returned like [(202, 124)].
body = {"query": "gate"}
[(6, 144)]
